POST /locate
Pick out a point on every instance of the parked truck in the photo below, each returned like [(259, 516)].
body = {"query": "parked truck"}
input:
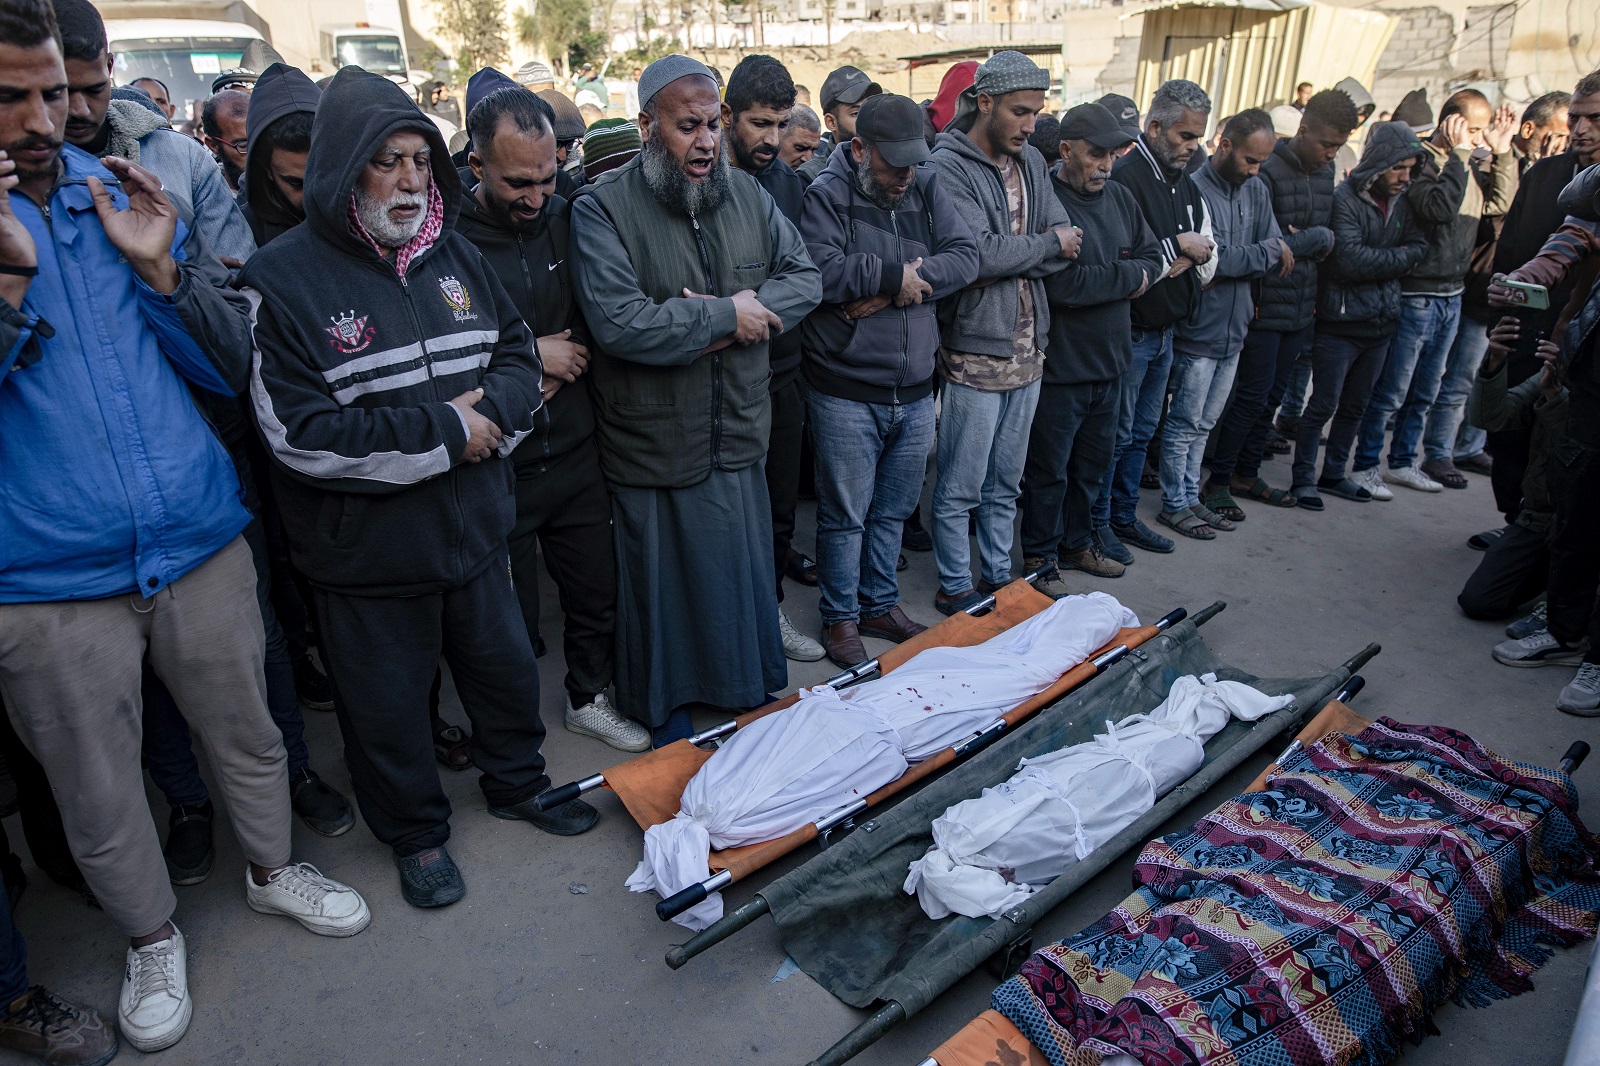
[(186, 43)]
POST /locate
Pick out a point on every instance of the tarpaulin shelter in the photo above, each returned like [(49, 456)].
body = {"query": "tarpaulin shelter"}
[(844, 916), (651, 785), (1252, 53)]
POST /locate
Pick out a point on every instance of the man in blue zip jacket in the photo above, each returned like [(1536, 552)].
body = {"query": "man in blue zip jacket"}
[(120, 526)]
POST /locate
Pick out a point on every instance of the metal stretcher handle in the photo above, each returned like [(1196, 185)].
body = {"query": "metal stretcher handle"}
[(551, 798), (1574, 757), (1352, 688), (679, 902)]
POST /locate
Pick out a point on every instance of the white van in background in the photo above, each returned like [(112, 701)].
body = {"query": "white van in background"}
[(183, 54)]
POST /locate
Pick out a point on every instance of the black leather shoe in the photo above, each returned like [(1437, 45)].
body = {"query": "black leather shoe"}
[(319, 805), (430, 878), (188, 851), (568, 820)]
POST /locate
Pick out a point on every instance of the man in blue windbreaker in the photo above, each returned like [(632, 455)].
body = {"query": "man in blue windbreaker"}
[(120, 525)]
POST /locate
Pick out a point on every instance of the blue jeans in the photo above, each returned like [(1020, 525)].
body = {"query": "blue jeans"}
[(1200, 388), (1409, 382), (870, 460), (983, 440), (1448, 434), (1142, 394)]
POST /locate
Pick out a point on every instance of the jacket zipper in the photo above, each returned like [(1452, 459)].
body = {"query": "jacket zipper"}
[(716, 357), (422, 342), (544, 408), (905, 315)]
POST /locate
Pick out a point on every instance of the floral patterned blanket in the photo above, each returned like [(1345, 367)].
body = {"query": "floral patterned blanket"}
[(1324, 918)]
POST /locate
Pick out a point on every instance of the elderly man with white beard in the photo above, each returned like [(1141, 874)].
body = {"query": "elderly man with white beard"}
[(393, 377), (685, 269)]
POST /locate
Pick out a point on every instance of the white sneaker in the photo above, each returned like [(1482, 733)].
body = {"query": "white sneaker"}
[(1411, 478), (796, 645), (155, 1008), (319, 903), (1582, 696), (1539, 649), (603, 722), (1372, 481)]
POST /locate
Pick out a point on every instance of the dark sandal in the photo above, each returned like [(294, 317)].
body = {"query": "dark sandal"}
[(1450, 479), (1220, 500), (1188, 524), (1267, 494), (452, 747), (1278, 446), (1212, 518)]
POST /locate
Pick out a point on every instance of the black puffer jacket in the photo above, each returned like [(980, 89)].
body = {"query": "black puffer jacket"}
[(1305, 201), (1360, 291)]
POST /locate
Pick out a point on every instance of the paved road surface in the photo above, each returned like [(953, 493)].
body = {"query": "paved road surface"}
[(550, 960)]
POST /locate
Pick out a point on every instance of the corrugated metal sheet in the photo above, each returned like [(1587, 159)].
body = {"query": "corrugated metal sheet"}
[(1247, 57)]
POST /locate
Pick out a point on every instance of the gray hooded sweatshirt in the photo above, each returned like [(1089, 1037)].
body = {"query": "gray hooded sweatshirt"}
[(985, 321)]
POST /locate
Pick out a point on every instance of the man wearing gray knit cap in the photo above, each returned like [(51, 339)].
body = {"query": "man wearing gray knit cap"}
[(993, 354), (687, 270)]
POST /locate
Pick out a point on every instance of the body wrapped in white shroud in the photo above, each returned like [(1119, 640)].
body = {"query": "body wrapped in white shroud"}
[(993, 852), (791, 768)]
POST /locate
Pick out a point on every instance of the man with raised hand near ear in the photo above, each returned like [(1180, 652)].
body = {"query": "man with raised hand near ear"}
[(122, 537)]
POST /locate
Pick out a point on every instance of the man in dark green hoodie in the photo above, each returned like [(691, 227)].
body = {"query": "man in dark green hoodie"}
[(391, 384)]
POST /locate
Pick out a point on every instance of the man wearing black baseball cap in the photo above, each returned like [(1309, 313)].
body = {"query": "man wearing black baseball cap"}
[(888, 242), (1126, 113), (1090, 345), (842, 96)]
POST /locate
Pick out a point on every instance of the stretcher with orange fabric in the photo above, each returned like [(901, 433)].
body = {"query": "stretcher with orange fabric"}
[(651, 785)]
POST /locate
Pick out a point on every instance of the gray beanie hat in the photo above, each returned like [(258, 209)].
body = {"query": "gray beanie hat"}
[(665, 71), (1003, 72)]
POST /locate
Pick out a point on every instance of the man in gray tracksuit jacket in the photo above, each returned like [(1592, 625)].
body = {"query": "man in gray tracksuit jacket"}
[(1206, 346), (992, 357)]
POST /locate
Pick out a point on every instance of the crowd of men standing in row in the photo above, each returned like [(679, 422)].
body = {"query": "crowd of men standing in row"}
[(353, 404)]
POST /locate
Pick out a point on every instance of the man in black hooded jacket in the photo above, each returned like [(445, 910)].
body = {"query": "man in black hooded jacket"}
[(390, 385), (278, 129), (513, 216)]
